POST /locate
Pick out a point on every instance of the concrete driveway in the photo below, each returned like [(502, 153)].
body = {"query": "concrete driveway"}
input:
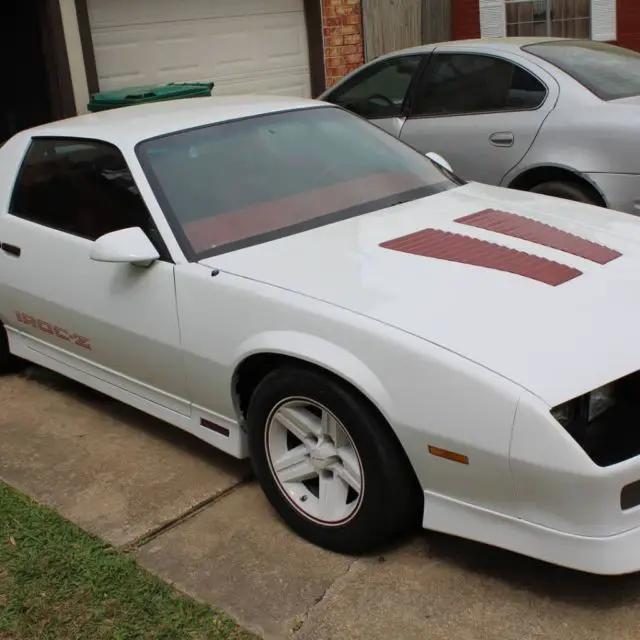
[(194, 517)]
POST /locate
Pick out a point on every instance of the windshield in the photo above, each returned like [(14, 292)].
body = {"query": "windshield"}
[(609, 71), (228, 185)]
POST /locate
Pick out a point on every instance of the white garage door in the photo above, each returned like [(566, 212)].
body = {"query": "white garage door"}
[(244, 46)]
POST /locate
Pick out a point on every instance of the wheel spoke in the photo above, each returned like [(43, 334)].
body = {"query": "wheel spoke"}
[(299, 422), (333, 496), (294, 466), (331, 428), (348, 469)]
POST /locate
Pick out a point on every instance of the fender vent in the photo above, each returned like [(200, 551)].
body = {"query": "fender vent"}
[(223, 431), (630, 496)]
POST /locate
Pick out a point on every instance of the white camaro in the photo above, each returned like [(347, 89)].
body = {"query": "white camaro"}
[(387, 344)]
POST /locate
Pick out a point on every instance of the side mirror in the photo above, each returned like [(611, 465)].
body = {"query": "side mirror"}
[(439, 160), (125, 246)]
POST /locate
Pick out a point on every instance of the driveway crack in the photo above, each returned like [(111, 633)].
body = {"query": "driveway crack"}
[(355, 566), (193, 511)]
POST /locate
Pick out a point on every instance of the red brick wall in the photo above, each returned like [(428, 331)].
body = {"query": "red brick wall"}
[(343, 40), (465, 19), (629, 24)]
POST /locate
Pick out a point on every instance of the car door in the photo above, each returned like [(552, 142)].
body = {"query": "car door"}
[(480, 111), (378, 91), (116, 322)]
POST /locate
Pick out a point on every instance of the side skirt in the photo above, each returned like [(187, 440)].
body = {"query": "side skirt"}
[(217, 430)]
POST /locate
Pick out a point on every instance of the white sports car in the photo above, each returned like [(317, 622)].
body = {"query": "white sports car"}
[(387, 344)]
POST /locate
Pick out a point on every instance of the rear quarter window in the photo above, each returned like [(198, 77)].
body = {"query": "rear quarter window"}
[(608, 71)]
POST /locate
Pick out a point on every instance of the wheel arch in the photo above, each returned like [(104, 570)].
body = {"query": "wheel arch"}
[(534, 176), (251, 369), (263, 353)]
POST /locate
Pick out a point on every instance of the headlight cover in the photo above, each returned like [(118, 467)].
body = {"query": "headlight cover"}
[(604, 422), (583, 410), (566, 413), (600, 400)]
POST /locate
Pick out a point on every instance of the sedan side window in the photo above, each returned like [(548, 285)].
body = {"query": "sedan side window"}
[(378, 91), (458, 84), (81, 187)]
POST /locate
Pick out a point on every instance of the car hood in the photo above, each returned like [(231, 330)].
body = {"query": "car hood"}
[(557, 340)]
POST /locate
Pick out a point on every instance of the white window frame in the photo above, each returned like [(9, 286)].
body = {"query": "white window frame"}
[(493, 20)]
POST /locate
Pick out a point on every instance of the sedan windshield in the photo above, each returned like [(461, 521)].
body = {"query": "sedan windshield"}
[(229, 185), (608, 71)]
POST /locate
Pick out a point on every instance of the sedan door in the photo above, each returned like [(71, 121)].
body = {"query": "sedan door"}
[(480, 111), (110, 321), (379, 91)]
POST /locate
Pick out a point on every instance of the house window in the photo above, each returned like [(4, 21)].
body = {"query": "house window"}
[(555, 18)]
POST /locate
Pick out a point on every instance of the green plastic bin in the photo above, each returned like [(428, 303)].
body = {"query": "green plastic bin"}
[(150, 93)]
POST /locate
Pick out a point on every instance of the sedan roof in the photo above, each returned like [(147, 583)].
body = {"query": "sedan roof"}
[(129, 125), (509, 42)]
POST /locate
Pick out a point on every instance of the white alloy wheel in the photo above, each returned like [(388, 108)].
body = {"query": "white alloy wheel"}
[(314, 461), (328, 462)]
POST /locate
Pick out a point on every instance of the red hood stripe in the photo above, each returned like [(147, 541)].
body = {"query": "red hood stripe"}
[(431, 243), (515, 226)]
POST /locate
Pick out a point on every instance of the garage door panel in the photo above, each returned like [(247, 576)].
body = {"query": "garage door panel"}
[(254, 53), (265, 42), (289, 84), (119, 61), (286, 43), (118, 13)]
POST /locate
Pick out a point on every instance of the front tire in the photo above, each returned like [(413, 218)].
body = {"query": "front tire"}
[(328, 463)]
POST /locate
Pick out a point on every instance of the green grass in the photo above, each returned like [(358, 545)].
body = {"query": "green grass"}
[(58, 582)]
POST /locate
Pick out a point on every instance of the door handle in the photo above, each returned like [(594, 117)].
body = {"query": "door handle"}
[(11, 249), (502, 139)]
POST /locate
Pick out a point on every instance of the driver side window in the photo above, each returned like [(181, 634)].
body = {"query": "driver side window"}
[(81, 187), (378, 91)]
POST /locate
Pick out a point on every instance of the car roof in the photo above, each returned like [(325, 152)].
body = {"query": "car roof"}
[(129, 125), (509, 43)]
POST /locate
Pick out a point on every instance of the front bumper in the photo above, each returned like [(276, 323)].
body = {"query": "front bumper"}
[(621, 191), (569, 507), (605, 555)]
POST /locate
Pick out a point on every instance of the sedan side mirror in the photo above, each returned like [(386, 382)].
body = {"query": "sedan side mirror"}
[(439, 160), (125, 246)]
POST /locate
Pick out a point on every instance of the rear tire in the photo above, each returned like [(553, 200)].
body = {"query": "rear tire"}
[(567, 191), (328, 463)]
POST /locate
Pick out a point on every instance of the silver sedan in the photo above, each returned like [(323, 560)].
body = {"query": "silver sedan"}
[(549, 115)]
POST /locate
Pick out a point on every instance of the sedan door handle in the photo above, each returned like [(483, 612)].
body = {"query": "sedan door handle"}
[(502, 139), (11, 249)]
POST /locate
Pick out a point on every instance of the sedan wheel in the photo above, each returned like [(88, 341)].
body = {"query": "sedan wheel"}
[(566, 191), (328, 463)]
